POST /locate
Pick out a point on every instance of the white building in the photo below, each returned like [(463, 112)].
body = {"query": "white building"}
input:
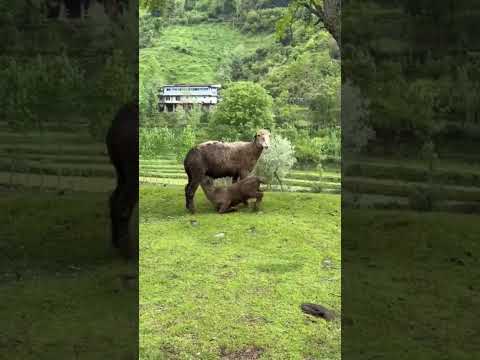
[(187, 96)]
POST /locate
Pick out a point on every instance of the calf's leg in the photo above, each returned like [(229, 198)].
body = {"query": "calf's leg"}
[(225, 208)]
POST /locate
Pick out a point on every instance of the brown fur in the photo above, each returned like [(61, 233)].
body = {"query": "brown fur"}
[(218, 159), (225, 199)]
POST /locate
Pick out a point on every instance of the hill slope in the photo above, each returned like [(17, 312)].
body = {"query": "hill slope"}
[(194, 53)]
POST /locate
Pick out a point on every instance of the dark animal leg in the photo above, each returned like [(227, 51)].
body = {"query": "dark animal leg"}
[(225, 208), (122, 148), (115, 205), (190, 190), (114, 217), (259, 196), (131, 199)]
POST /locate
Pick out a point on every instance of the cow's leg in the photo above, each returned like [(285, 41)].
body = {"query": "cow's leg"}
[(129, 242), (190, 190), (116, 204), (115, 216)]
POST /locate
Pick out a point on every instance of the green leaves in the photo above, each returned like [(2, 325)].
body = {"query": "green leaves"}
[(114, 87), (28, 87), (277, 160), (245, 108)]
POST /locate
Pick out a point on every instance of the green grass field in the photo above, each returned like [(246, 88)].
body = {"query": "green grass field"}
[(412, 284), (230, 286), (60, 280)]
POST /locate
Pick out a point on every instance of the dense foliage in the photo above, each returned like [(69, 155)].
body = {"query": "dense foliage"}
[(245, 108), (275, 162), (420, 85), (65, 72)]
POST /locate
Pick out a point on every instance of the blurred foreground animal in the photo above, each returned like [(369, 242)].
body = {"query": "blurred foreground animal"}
[(122, 145)]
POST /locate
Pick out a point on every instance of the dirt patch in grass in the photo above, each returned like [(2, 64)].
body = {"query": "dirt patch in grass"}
[(249, 353)]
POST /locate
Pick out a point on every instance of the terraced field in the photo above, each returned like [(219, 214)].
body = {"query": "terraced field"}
[(390, 182), (54, 159), (166, 170)]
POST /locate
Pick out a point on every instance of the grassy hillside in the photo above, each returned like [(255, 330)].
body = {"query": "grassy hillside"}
[(194, 53)]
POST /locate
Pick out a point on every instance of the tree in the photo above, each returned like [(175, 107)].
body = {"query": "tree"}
[(327, 12), (245, 108)]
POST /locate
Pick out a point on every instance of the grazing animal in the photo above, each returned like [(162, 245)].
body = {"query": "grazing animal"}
[(218, 159), (226, 198), (122, 146)]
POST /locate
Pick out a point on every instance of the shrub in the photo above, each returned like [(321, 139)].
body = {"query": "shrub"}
[(114, 88), (276, 161), (306, 153), (183, 142), (149, 26), (357, 133), (155, 141), (330, 145), (421, 199), (263, 20)]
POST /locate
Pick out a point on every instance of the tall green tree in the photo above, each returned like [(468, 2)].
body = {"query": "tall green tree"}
[(327, 12), (245, 108)]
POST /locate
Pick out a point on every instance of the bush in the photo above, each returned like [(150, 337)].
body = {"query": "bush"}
[(149, 26), (421, 199), (307, 151), (264, 20), (28, 87), (114, 88), (330, 145), (155, 141), (357, 133), (276, 161), (183, 142)]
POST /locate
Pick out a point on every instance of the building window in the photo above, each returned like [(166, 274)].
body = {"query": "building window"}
[(177, 98)]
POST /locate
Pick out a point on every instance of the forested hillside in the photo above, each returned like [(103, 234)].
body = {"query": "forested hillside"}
[(295, 62)]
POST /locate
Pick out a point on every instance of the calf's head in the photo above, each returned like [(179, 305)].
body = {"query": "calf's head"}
[(207, 183), (262, 138)]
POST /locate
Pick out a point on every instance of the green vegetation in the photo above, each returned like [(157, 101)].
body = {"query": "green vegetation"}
[(246, 108), (301, 74), (62, 291), (410, 276), (213, 288), (192, 54)]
